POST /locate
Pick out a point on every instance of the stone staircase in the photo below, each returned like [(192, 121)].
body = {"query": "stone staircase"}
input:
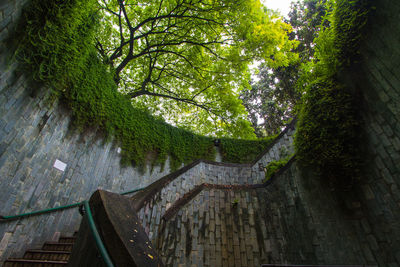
[(51, 254)]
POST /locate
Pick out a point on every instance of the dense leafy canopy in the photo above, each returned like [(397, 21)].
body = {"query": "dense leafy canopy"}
[(56, 44), (187, 60), (272, 98)]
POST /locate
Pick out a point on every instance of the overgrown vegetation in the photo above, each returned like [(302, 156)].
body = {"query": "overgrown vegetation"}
[(327, 137), (243, 151), (57, 48), (272, 100), (187, 60), (274, 166)]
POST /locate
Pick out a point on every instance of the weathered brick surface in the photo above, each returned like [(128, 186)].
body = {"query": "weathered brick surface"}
[(34, 133), (214, 231), (32, 136), (302, 221), (294, 220), (378, 79), (205, 172)]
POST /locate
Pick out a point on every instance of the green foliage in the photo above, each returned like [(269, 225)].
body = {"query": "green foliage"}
[(243, 151), (53, 39), (57, 48), (187, 61), (272, 100), (327, 133), (235, 203), (274, 166)]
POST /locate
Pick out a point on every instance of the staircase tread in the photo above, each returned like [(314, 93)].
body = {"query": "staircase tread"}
[(57, 243), (48, 251), (35, 261)]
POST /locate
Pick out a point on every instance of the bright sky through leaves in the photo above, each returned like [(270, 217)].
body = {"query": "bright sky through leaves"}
[(283, 6)]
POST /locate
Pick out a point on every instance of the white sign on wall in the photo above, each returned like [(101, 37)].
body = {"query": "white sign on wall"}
[(59, 165)]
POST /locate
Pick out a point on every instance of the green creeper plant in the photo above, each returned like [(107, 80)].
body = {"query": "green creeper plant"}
[(274, 166), (327, 138)]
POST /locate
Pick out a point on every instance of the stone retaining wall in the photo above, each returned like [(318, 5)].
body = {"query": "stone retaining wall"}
[(35, 134), (377, 78), (168, 193), (293, 220)]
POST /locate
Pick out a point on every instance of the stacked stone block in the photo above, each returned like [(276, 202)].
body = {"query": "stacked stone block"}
[(294, 220), (10, 11), (378, 79), (282, 148), (212, 173), (203, 172), (34, 133), (216, 229)]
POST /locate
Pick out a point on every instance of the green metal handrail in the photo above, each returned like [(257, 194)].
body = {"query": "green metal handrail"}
[(38, 212), (132, 191), (89, 216), (17, 216), (95, 233)]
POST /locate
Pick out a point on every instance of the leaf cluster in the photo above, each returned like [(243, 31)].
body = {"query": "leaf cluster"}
[(187, 61), (274, 166), (52, 40), (327, 137), (243, 151), (272, 100)]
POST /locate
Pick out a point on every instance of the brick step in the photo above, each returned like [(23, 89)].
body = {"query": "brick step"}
[(67, 239), (26, 262), (57, 246), (36, 254)]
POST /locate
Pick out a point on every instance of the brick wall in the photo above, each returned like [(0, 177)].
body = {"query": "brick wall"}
[(294, 220), (34, 133), (378, 78), (301, 221), (211, 173)]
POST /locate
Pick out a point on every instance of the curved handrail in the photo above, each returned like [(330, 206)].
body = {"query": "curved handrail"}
[(38, 212), (89, 216), (95, 233)]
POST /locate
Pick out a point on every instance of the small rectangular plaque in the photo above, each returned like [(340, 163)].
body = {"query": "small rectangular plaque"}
[(59, 165)]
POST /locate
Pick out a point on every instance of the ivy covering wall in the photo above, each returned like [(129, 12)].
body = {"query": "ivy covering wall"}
[(243, 151), (57, 48), (327, 137)]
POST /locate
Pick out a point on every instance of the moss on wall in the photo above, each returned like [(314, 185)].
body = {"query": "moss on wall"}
[(327, 137), (243, 151)]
